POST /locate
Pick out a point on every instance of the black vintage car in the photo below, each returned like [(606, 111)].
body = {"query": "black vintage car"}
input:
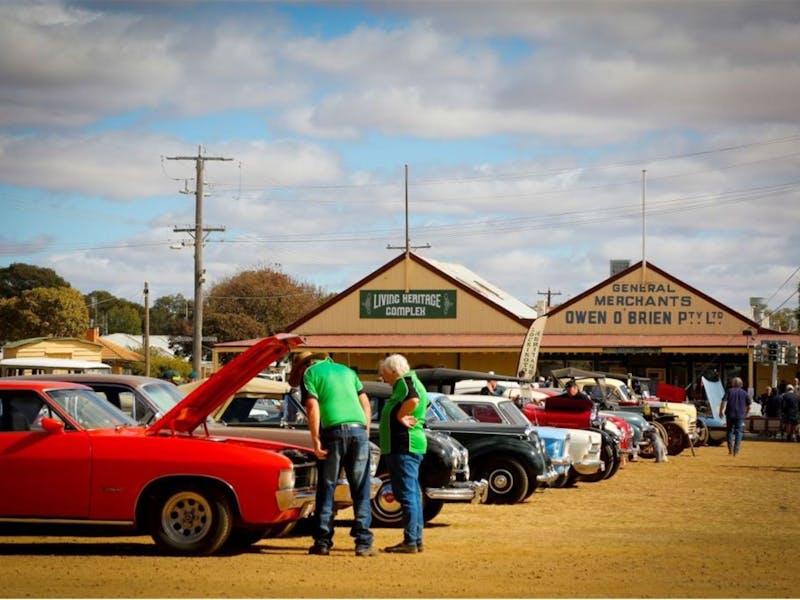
[(444, 473), (511, 458)]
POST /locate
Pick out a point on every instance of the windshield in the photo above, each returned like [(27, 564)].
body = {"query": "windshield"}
[(163, 395), (443, 408), (88, 409), (512, 414)]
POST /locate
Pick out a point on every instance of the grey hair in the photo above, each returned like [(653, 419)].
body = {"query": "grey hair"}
[(395, 363), (737, 382)]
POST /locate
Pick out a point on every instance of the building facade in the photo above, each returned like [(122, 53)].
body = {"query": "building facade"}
[(641, 320)]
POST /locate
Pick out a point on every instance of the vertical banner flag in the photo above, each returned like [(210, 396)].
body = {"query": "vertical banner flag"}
[(529, 355)]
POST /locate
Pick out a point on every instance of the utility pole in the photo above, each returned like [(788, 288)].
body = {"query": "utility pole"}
[(198, 235), (408, 247), (549, 295), (146, 339)]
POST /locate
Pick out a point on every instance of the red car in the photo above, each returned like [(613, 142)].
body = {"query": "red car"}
[(68, 457), (554, 408)]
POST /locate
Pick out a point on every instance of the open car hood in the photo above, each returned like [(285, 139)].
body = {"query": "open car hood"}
[(193, 410)]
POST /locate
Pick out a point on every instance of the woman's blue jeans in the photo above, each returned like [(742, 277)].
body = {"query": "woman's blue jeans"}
[(735, 430), (404, 475), (347, 447)]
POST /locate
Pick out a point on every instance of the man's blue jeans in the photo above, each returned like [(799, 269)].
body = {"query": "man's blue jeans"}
[(347, 447), (735, 430), (404, 475)]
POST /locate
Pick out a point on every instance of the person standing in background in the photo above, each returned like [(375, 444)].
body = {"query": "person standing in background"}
[(790, 412), (404, 444), (734, 409)]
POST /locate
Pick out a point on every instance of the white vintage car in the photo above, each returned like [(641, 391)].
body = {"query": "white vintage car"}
[(574, 452)]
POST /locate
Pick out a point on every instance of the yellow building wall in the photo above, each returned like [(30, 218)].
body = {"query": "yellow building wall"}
[(367, 363), (472, 314), (57, 348), (653, 305)]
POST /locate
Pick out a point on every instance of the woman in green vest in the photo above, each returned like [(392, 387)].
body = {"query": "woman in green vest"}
[(403, 442)]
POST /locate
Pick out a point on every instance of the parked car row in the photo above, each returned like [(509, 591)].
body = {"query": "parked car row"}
[(230, 462)]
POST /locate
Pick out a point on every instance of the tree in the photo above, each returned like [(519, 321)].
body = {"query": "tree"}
[(169, 315), (43, 312), (18, 277), (257, 302), (115, 315), (784, 319)]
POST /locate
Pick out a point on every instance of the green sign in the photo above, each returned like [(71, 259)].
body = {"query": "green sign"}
[(414, 304)]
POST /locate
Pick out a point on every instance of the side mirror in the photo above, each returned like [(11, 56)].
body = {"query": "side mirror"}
[(52, 426)]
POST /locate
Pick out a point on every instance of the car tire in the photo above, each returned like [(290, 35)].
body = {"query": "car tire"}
[(508, 481), (280, 529), (387, 511), (560, 481), (191, 520), (610, 458), (702, 433), (431, 508), (244, 537), (675, 439)]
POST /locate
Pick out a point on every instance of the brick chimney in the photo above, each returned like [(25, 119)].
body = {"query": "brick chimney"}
[(92, 334)]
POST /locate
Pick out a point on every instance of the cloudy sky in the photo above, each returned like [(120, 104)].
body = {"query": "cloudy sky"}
[(526, 128)]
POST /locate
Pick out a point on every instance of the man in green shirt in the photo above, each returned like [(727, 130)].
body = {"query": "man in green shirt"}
[(339, 416)]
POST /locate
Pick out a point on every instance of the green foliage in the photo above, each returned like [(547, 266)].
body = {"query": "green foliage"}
[(43, 312), (258, 302), (18, 277), (169, 315), (115, 315), (124, 319), (161, 364), (784, 319)]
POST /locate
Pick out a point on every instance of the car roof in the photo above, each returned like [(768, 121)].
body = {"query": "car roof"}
[(10, 383), (131, 380)]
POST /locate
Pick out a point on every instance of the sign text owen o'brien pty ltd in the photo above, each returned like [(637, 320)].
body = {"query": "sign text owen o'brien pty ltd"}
[(414, 304)]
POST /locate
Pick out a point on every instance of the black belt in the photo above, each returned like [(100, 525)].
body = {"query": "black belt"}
[(341, 426)]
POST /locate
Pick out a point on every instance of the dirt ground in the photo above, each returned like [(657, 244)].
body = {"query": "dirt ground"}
[(707, 525)]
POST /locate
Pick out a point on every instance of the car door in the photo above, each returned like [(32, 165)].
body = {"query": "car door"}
[(44, 475)]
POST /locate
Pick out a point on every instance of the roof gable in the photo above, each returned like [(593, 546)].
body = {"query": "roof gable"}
[(644, 299), (473, 288)]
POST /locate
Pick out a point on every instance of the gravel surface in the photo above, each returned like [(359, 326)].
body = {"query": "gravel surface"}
[(708, 525)]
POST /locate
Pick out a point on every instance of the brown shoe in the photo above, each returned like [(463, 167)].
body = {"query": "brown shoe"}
[(402, 548), (371, 551)]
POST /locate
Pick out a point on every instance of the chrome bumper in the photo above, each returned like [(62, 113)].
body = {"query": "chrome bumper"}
[(561, 461), (587, 467), (547, 477), (461, 491), (342, 497), (302, 500)]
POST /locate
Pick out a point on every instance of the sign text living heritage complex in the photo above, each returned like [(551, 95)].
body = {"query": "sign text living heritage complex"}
[(414, 304), (659, 304)]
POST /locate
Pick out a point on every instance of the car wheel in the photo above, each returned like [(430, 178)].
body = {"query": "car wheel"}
[(560, 481), (702, 433), (387, 511), (431, 508), (609, 456), (508, 481), (616, 461), (675, 439), (243, 537), (280, 529), (191, 520)]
